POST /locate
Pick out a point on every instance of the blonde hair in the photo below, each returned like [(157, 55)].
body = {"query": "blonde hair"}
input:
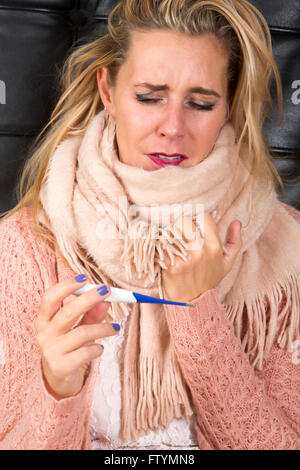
[(236, 23)]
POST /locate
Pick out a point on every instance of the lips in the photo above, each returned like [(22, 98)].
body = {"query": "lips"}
[(169, 155), (155, 157)]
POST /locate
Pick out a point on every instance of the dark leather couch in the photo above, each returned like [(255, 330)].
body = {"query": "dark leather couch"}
[(36, 37)]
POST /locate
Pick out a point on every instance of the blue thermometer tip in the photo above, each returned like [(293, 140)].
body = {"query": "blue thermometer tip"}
[(147, 299)]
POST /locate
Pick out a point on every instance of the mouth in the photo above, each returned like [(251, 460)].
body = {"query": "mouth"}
[(165, 159)]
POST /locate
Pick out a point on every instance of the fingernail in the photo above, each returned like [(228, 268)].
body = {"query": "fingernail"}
[(80, 278), (102, 290), (116, 326)]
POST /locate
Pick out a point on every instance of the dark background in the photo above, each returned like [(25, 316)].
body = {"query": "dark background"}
[(36, 37)]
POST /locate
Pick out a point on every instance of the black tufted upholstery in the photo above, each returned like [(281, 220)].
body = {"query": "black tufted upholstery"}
[(284, 21), (36, 37)]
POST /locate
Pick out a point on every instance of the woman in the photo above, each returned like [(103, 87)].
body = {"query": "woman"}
[(149, 195)]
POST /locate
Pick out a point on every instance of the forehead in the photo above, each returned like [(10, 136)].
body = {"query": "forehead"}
[(158, 56)]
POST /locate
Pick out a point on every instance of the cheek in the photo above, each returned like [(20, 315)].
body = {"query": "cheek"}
[(207, 130), (133, 130), (135, 120), (210, 127), (212, 121), (137, 126)]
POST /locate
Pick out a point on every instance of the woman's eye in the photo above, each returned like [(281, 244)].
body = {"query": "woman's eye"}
[(145, 99), (201, 107), (205, 107)]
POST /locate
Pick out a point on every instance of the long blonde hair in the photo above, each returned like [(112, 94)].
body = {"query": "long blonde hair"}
[(236, 23)]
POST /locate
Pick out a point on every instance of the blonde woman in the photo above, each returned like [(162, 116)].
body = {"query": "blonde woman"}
[(153, 175)]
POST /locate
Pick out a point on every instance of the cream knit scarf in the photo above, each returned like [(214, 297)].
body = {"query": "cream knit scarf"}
[(98, 209)]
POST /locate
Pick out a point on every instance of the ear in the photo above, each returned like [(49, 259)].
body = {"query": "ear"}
[(105, 91)]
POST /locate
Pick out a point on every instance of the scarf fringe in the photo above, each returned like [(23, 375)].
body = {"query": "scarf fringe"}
[(162, 397), (128, 429), (154, 390), (176, 404), (78, 261), (148, 408), (145, 246), (263, 325), (290, 316)]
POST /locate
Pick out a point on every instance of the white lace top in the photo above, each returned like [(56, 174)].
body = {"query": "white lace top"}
[(106, 409)]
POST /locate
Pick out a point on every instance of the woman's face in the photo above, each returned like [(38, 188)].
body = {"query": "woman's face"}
[(169, 98)]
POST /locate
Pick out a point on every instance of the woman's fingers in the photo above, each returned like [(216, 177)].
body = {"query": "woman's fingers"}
[(190, 232), (96, 314), (54, 296), (233, 244), (69, 315), (72, 361), (66, 348), (196, 235), (209, 232), (84, 334)]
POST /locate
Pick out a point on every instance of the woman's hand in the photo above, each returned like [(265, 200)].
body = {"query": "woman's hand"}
[(66, 351), (207, 264)]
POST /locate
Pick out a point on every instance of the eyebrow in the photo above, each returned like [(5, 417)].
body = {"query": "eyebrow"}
[(201, 90)]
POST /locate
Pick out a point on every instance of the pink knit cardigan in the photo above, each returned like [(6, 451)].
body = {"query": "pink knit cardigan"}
[(236, 406)]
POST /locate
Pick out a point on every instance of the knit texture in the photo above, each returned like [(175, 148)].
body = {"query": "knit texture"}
[(236, 406)]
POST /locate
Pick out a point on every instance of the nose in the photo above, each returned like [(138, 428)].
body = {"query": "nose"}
[(172, 122)]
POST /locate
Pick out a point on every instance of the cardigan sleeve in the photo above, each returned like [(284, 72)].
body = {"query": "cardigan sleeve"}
[(236, 406), (30, 418)]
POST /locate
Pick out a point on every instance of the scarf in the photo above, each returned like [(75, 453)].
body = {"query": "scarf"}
[(116, 224)]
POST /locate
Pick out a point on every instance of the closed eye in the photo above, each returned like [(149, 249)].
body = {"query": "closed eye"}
[(201, 107)]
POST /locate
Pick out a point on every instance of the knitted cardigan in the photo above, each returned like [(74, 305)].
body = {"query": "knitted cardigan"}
[(236, 406)]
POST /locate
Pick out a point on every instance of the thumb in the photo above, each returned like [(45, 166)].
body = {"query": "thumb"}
[(234, 242)]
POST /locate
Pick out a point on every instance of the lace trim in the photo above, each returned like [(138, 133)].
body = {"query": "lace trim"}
[(106, 409)]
